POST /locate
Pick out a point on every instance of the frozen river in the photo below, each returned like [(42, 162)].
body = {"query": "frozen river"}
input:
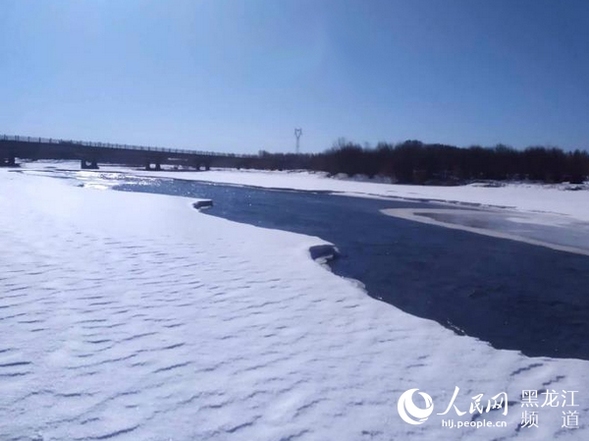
[(513, 294), (132, 316)]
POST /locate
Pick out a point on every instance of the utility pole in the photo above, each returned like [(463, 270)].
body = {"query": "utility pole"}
[(298, 132)]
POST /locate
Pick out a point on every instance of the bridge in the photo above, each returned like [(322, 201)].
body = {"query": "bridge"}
[(90, 154)]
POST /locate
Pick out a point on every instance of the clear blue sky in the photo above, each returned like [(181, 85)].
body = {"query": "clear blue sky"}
[(239, 75)]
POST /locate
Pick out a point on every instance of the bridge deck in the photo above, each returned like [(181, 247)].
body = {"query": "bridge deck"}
[(27, 147)]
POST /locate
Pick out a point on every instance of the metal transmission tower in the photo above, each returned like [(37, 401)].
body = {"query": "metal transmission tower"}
[(298, 132)]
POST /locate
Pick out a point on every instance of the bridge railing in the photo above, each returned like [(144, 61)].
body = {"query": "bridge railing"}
[(108, 145)]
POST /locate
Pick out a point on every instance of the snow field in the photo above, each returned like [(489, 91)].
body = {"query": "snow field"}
[(130, 316)]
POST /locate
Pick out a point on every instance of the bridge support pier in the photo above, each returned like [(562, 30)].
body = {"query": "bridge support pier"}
[(88, 165), (201, 164), (157, 166), (7, 160)]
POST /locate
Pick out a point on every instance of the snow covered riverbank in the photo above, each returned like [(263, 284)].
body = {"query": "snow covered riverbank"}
[(535, 198), (130, 316), (556, 199)]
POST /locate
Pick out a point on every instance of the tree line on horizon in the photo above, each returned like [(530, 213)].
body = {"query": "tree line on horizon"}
[(414, 162)]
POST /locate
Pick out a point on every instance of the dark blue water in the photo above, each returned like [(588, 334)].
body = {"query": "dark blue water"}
[(510, 294)]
